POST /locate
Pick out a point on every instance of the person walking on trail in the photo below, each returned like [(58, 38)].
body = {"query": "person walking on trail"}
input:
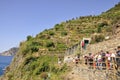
[(113, 56), (77, 60), (103, 55), (112, 60), (108, 55), (86, 59), (96, 60), (90, 60), (108, 58), (82, 44), (99, 61)]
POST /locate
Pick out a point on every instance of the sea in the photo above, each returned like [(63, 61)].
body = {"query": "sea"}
[(4, 62)]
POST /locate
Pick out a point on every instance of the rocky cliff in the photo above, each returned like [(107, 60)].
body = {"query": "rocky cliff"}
[(10, 52)]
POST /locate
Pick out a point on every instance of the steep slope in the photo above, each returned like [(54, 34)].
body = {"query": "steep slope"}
[(38, 56)]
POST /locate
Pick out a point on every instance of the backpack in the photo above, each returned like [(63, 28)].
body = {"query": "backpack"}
[(103, 54), (118, 53)]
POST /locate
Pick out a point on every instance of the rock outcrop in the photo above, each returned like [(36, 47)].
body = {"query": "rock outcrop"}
[(10, 52)]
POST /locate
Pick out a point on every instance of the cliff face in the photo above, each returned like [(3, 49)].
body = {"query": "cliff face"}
[(38, 55), (10, 52)]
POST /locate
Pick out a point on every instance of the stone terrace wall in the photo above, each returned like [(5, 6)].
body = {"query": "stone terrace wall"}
[(108, 45)]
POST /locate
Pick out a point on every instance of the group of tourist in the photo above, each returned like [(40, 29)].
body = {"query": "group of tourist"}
[(100, 60), (103, 60)]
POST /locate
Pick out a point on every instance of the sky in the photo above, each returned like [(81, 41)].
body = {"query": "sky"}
[(20, 18)]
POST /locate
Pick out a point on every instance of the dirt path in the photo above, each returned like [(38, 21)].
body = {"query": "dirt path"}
[(78, 73), (82, 72)]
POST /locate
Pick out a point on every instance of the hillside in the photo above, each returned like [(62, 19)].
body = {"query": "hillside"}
[(38, 56), (10, 52)]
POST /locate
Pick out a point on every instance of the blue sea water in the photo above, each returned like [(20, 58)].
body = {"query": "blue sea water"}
[(4, 62)]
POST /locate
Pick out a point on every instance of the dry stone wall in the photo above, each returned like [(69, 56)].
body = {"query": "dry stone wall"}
[(108, 45)]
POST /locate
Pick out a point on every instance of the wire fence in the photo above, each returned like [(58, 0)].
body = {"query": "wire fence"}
[(107, 70)]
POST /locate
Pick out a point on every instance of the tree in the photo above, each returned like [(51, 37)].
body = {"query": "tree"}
[(29, 37)]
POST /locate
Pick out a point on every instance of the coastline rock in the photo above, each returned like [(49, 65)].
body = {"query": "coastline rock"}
[(10, 52)]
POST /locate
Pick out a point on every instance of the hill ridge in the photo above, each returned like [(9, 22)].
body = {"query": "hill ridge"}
[(10, 52), (32, 62)]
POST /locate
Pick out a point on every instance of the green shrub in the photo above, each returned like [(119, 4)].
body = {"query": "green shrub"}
[(29, 38), (50, 44), (44, 36), (51, 33), (34, 43), (31, 47), (99, 38), (25, 51), (59, 27), (56, 28), (29, 59), (37, 71), (34, 49), (44, 67), (61, 46), (32, 66), (64, 33), (9, 75), (99, 30), (103, 24), (54, 69)]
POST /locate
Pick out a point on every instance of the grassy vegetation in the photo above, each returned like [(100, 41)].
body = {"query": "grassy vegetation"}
[(37, 55)]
